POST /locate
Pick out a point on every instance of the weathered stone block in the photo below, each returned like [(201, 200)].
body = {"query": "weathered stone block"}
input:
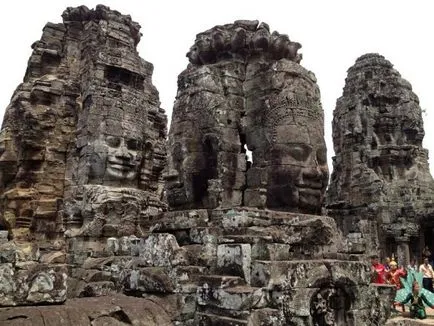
[(308, 273), (159, 250), (97, 289), (266, 317), (149, 280)]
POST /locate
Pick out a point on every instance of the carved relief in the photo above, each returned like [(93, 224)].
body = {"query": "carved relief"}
[(329, 307)]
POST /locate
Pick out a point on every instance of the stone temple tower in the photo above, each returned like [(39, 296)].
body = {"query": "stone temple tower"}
[(256, 226), (381, 190), (83, 149)]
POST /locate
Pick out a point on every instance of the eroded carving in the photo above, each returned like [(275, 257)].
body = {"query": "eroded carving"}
[(330, 306), (380, 175), (244, 89)]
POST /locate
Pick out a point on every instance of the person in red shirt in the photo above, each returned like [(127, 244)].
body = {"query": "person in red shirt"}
[(378, 271), (393, 276)]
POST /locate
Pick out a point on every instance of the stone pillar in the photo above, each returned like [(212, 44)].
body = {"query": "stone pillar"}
[(403, 251)]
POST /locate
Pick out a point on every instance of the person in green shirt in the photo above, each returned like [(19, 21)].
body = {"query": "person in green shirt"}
[(417, 300)]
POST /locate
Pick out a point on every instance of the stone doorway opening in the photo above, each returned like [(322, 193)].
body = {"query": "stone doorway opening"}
[(330, 306)]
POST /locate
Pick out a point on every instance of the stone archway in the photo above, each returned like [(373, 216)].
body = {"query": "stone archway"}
[(330, 306)]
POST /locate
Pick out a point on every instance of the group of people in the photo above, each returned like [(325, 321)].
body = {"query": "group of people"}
[(408, 282)]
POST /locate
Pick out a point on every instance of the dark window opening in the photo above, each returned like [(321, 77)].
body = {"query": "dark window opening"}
[(125, 77), (49, 63), (374, 144), (208, 172), (40, 97)]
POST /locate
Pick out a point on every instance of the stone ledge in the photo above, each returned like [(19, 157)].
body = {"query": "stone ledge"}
[(114, 310)]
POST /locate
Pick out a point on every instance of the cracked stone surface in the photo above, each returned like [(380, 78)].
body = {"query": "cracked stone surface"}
[(113, 310)]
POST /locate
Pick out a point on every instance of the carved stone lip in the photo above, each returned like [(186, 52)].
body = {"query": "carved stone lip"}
[(121, 165), (314, 187)]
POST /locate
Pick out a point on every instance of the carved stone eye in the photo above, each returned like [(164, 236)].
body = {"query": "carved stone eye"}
[(113, 141), (300, 152), (134, 144)]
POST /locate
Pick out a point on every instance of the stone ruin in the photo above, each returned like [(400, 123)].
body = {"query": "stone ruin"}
[(83, 148), (117, 226), (381, 189)]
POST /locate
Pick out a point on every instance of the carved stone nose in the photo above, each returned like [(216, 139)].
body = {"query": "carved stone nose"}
[(123, 151), (312, 173)]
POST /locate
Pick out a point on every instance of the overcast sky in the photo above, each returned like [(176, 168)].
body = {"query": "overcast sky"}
[(333, 34)]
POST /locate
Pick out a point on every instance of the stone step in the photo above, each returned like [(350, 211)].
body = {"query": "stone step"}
[(97, 289), (244, 238), (214, 310), (221, 281), (314, 232), (208, 319), (248, 217), (290, 252), (241, 289), (187, 288), (188, 274)]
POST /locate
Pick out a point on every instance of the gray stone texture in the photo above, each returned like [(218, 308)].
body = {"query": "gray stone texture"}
[(83, 149), (115, 310), (381, 189)]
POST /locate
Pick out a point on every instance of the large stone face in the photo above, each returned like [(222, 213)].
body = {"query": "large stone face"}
[(244, 88), (380, 174)]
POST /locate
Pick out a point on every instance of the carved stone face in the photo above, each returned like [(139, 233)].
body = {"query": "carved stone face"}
[(298, 169), (116, 158), (123, 157)]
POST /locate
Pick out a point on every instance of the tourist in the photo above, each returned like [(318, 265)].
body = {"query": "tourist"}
[(428, 274), (412, 267), (378, 271), (417, 308), (386, 264)]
